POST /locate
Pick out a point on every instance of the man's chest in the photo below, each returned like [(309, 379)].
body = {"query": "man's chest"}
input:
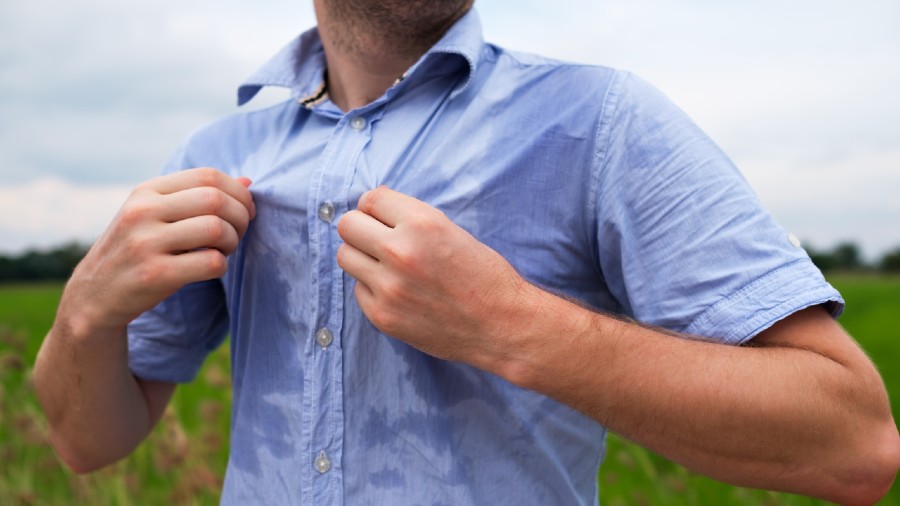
[(525, 193)]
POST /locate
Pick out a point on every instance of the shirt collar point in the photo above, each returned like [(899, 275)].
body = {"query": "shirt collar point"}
[(246, 92), (298, 66)]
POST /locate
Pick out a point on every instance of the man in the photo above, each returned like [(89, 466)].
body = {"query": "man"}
[(459, 266)]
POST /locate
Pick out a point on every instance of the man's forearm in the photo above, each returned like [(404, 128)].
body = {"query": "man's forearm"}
[(96, 409), (807, 420)]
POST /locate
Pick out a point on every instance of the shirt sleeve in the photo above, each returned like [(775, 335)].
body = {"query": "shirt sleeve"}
[(683, 242), (170, 342)]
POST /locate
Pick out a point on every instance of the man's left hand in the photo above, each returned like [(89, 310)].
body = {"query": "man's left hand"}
[(424, 280)]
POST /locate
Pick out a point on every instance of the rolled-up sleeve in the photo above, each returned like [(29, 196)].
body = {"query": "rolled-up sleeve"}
[(683, 241), (170, 342)]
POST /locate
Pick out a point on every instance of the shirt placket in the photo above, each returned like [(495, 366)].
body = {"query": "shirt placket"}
[(323, 416)]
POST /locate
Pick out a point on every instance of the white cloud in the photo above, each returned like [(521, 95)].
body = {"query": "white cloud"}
[(64, 212), (100, 91)]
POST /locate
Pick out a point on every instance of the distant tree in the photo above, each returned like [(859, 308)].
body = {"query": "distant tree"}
[(822, 259), (846, 256), (7, 268), (843, 257), (34, 265), (890, 262)]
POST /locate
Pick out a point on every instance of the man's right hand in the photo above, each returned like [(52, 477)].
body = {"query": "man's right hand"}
[(172, 230)]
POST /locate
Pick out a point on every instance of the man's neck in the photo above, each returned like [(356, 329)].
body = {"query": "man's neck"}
[(365, 57), (355, 81)]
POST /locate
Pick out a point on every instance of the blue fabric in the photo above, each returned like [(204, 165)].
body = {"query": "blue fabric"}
[(588, 180)]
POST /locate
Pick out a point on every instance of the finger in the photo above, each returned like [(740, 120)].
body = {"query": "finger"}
[(200, 232), (390, 207), (364, 297), (197, 265), (363, 232), (203, 201), (204, 176), (357, 264)]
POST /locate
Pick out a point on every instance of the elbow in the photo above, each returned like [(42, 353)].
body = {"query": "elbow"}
[(872, 469), (77, 461), (79, 467), (885, 463), (66, 446)]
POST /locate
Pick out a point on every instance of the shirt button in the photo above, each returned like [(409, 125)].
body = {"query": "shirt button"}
[(326, 212), (322, 464), (794, 241), (358, 123), (324, 337)]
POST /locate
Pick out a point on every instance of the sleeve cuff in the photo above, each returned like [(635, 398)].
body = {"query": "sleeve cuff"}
[(155, 361), (762, 303)]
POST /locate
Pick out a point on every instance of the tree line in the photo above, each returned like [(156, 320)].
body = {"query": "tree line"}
[(57, 264), (846, 257), (34, 265)]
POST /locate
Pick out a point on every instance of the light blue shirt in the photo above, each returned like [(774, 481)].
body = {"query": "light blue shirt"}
[(588, 180)]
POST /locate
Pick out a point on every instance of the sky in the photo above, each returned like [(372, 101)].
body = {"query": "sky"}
[(803, 95)]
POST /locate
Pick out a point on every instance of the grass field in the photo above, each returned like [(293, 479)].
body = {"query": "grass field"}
[(184, 460)]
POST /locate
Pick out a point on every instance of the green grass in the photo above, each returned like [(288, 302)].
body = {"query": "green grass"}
[(184, 460)]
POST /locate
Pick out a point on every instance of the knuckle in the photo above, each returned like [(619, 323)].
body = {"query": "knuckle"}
[(429, 221), (404, 257), (419, 223), (138, 191), (438, 213), (242, 225), (151, 274), (136, 246), (206, 176), (146, 186), (214, 228), (392, 291), (341, 256), (384, 319), (213, 200), (230, 243), (216, 263), (372, 197), (134, 211), (344, 223)]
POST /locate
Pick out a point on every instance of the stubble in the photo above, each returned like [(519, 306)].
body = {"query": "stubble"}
[(401, 27)]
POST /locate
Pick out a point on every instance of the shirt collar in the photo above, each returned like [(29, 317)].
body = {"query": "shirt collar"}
[(300, 66)]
